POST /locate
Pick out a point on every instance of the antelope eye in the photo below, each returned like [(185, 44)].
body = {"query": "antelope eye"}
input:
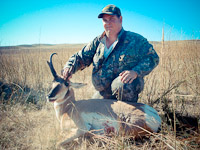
[(66, 84)]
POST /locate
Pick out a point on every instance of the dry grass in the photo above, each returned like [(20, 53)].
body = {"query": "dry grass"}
[(24, 125)]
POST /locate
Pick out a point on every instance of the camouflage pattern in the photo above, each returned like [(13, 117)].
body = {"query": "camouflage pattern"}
[(132, 52), (121, 91)]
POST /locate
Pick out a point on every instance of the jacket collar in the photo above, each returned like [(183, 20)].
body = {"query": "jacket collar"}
[(119, 35)]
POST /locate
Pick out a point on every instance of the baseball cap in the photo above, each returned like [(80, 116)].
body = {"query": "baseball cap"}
[(110, 10)]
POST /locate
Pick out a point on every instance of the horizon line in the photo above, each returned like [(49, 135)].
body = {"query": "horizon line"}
[(48, 44)]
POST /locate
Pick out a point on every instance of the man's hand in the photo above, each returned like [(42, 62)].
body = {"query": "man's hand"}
[(66, 74), (128, 76)]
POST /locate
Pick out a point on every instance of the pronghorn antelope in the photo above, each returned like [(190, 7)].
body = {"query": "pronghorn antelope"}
[(102, 116)]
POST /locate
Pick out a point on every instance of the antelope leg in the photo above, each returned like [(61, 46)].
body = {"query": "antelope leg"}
[(77, 134)]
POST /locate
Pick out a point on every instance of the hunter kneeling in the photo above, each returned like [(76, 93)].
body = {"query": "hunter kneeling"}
[(120, 59)]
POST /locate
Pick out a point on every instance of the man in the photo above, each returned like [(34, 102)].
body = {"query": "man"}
[(120, 59)]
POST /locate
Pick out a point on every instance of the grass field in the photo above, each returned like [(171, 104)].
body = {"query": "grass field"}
[(27, 122)]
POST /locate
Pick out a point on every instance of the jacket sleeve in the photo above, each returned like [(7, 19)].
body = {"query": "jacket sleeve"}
[(83, 58), (149, 58)]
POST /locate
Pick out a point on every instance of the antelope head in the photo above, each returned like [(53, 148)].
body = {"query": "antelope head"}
[(60, 87)]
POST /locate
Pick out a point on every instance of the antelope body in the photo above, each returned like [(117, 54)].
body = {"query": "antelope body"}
[(100, 116)]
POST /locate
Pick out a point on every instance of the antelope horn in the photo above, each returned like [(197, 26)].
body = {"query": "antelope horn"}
[(51, 66)]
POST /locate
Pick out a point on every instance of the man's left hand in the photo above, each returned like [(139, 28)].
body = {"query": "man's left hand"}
[(128, 76)]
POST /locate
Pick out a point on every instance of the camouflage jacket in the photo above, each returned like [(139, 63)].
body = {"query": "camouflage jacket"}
[(132, 52)]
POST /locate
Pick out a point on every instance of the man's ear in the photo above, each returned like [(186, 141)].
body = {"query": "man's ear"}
[(77, 85), (120, 19)]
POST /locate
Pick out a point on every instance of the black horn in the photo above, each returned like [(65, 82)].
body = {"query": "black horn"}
[(51, 66)]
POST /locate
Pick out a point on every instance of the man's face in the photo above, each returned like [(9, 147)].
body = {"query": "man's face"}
[(112, 23)]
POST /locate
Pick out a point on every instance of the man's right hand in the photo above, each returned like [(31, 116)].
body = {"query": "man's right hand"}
[(66, 73)]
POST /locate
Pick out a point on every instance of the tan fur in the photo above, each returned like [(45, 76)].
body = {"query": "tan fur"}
[(110, 115)]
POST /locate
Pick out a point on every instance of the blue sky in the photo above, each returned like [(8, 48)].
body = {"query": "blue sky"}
[(69, 21)]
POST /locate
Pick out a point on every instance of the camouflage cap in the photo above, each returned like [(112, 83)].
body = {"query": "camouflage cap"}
[(110, 10)]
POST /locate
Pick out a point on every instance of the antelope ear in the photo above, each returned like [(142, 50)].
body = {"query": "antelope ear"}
[(77, 85)]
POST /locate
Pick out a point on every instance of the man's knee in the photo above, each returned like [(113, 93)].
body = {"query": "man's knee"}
[(127, 92), (107, 94)]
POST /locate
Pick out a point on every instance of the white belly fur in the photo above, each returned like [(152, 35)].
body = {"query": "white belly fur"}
[(104, 124)]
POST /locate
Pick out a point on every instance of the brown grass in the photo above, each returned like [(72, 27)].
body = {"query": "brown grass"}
[(28, 122)]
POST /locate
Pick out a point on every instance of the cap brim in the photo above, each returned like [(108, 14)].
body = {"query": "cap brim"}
[(108, 13)]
